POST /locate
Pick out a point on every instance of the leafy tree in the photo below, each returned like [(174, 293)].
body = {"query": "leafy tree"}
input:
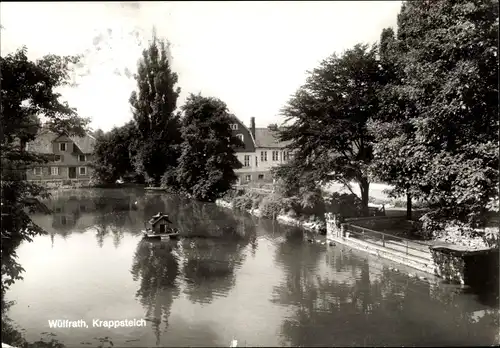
[(153, 107), (394, 110), (329, 138), (98, 133), (207, 163), (441, 141), (112, 153), (28, 92)]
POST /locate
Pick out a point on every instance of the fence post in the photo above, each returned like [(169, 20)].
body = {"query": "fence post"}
[(383, 240), (406, 248)]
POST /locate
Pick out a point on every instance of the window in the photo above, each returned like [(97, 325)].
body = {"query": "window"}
[(263, 156), (275, 155), (82, 158), (234, 126), (261, 176), (83, 170), (57, 158), (256, 161), (240, 136), (37, 170), (248, 178), (247, 161), (54, 171), (62, 146), (286, 155)]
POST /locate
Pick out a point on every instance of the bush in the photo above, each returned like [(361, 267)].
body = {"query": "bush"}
[(244, 200), (169, 180), (243, 203), (346, 205), (271, 206)]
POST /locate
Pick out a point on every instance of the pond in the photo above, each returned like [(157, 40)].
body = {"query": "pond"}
[(230, 276)]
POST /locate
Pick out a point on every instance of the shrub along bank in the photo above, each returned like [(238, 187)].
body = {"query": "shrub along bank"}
[(306, 208)]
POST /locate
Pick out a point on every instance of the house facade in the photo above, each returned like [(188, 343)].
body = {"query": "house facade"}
[(69, 158), (261, 152)]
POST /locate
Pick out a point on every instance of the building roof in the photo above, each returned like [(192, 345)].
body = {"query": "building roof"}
[(158, 217), (264, 137), (85, 144), (43, 142)]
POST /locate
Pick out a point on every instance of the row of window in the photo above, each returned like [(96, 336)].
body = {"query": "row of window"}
[(57, 170), (263, 158), (275, 156), (59, 158), (248, 177)]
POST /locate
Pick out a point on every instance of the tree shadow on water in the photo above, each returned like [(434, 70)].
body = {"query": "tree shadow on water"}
[(368, 304), (156, 269)]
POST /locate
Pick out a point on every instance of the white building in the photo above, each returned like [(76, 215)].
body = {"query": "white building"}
[(262, 151)]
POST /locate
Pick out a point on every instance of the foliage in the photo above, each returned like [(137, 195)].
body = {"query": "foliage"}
[(344, 204), (247, 200), (440, 141), (271, 206), (207, 163), (158, 127), (112, 154), (329, 138), (27, 94), (243, 202)]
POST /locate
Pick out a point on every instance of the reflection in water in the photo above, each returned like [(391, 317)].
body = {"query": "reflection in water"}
[(229, 276), (370, 305), (156, 268)]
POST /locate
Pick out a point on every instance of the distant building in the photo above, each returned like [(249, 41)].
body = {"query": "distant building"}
[(69, 158), (261, 152)]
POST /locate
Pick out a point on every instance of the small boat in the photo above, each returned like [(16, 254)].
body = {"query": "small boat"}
[(159, 228)]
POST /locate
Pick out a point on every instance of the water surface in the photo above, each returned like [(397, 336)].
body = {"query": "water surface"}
[(233, 276)]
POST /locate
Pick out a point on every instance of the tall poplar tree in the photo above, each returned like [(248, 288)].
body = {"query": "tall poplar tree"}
[(154, 104)]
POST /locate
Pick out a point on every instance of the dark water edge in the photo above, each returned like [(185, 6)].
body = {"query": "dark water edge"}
[(235, 277)]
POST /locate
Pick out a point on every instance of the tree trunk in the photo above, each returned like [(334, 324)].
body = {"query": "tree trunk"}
[(364, 187), (408, 206)]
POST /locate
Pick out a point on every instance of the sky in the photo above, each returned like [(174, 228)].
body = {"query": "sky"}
[(251, 55)]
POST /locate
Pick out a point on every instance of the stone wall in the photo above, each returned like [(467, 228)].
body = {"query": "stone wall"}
[(474, 268)]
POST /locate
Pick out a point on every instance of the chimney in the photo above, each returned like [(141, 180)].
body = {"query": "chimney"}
[(252, 126)]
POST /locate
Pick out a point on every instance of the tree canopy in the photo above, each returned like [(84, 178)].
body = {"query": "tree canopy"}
[(154, 105), (207, 163), (113, 153), (437, 133), (329, 112), (27, 94)]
